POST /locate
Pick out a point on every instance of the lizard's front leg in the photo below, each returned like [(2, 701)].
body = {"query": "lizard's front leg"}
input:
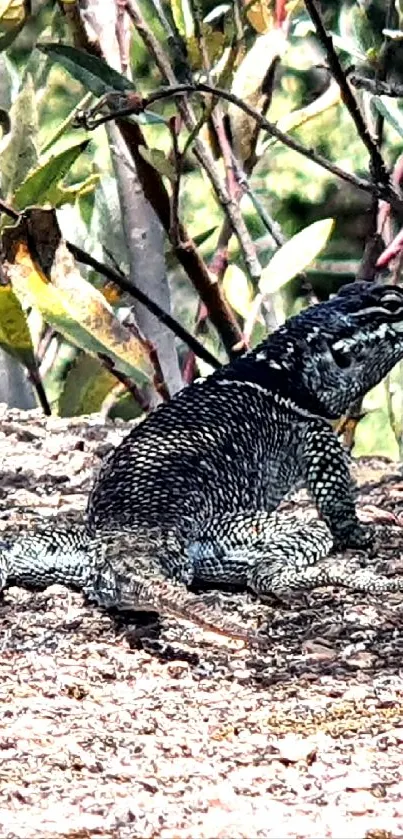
[(327, 477)]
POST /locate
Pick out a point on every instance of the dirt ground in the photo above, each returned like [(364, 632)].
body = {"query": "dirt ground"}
[(120, 728)]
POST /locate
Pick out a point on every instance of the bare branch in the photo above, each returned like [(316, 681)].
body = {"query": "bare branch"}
[(201, 151), (138, 105)]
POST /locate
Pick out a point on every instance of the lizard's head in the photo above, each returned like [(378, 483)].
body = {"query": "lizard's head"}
[(344, 347)]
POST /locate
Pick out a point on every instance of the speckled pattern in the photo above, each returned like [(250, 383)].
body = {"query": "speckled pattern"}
[(193, 486)]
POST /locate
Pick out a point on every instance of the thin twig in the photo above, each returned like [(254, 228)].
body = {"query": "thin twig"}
[(374, 243), (392, 250), (175, 226), (216, 114), (267, 91), (376, 86), (36, 381), (123, 283), (124, 380), (8, 210), (122, 39), (378, 165), (158, 379), (176, 44), (270, 224)]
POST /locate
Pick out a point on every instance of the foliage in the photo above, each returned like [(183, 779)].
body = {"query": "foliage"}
[(259, 221)]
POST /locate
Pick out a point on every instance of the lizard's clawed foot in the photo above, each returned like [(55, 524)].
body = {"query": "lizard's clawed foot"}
[(357, 536)]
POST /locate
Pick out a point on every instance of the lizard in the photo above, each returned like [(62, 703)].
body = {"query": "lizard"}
[(191, 493)]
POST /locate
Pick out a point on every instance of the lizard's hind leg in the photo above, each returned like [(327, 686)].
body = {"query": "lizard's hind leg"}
[(264, 552), (274, 555)]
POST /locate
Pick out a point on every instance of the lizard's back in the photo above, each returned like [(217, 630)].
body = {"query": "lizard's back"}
[(216, 448)]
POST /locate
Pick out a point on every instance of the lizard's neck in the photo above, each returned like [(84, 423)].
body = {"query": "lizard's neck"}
[(275, 366)]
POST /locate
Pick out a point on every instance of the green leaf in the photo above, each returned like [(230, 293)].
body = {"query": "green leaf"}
[(214, 45), (94, 73), (66, 124), (390, 111), (122, 407), (159, 161), (295, 255), (87, 384), (15, 337), (43, 185), (200, 238), (20, 154), (182, 15), (237, 290), (67, 194), (7, 39)]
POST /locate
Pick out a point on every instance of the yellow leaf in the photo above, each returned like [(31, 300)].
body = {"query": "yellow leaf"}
[(182, 15), (15, 336), (79, 311), (260, 16), (237, 290), (295, 255), (247, 86), (50, 281), (12, 14), (214, 43)]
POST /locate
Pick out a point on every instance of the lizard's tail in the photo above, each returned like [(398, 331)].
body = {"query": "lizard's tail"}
[(137, 582), (42, 558), (173, 599), (74, 559)]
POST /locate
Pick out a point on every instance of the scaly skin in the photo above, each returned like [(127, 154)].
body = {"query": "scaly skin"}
[(190, 493)]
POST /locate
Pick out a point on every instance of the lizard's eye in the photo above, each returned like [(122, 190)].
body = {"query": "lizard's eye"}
[(341, 355), (392, 301)]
